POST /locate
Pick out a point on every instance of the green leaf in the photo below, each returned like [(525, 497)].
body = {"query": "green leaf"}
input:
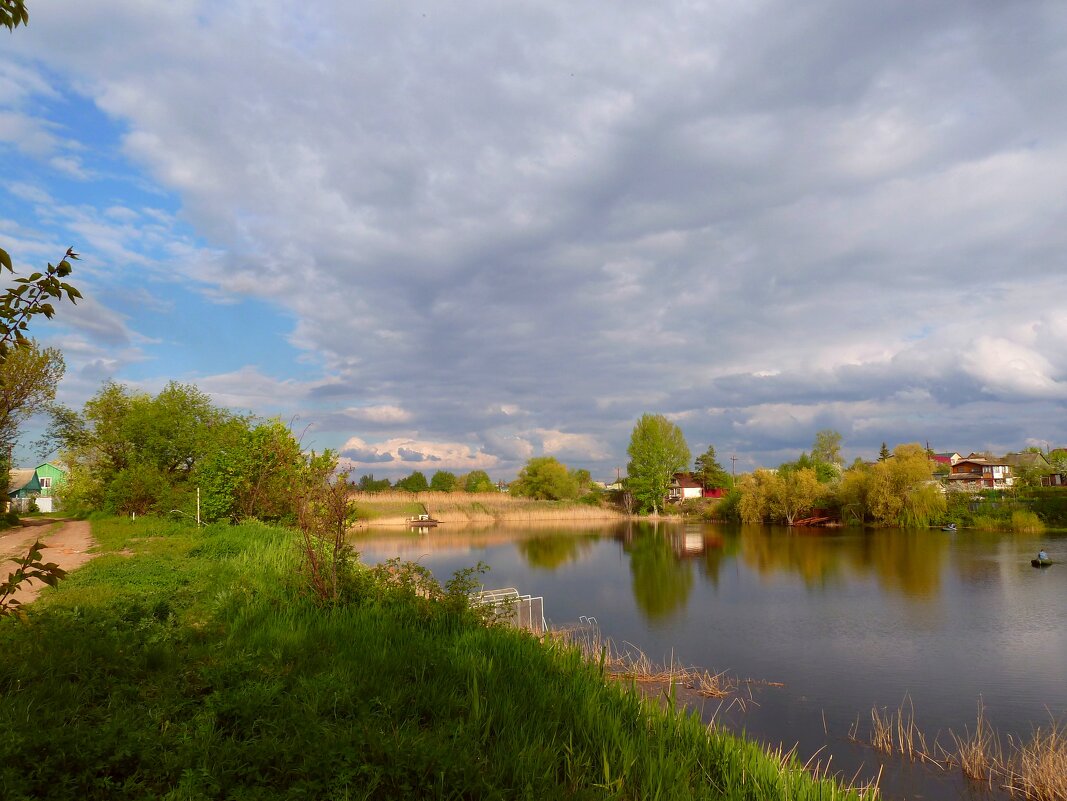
[(5, 260)]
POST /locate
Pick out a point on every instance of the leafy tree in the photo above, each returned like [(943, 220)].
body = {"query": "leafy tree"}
[(478, 481), (252, 473), (755, 502), (826, 472), (147, 447), (13, 13), (416, 482), (792, 492), (28, 379), (827, 446), (30, 297), (545, 478), (368, 483), (443, 481), (900, 491), (657, 451), (583, 478), (709, 472)]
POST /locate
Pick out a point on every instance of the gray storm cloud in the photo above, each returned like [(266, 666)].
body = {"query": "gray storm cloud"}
[(764, 220)]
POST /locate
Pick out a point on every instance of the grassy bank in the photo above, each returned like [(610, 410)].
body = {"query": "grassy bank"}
[(188, 665)]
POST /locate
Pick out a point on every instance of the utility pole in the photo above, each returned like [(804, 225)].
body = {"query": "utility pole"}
[(733, 470)]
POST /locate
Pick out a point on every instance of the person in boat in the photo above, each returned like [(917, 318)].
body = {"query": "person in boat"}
[(1042, 556)]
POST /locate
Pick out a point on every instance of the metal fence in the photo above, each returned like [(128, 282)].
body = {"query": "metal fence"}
[(515, 609)]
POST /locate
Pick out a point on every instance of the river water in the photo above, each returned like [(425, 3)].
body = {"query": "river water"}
[(844, 619)]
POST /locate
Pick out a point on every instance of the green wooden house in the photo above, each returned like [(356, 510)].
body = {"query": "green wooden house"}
[(38, 483)]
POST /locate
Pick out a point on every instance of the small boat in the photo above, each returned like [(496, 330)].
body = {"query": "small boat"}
[(949, 527), (1041, 562), (422, 521)]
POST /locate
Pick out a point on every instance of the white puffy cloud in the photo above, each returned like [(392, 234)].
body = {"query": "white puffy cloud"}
[(404, 453)]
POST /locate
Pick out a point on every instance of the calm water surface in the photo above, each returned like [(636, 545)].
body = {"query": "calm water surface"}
[(845, 619)]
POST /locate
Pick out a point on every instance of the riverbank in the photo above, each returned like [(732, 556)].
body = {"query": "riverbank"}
[(189, 663)]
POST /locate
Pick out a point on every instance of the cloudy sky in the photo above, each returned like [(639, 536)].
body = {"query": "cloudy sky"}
[(453, 235)]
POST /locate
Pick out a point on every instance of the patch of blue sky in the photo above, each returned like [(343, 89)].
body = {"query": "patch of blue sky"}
[(182, 332), (190, 335)]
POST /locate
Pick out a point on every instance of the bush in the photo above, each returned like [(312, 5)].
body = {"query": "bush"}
[(1026, 522)]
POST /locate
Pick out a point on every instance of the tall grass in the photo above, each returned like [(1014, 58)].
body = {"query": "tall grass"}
[(194, 666), (1025, 522)]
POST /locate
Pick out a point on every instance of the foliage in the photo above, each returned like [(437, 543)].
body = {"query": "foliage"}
[(657, 451), (545, 478), (12, 14), (826, 472), (130, 452), (416, 482), (31, 296), (781, 495), (709, 472), (883, 453), (478, 481), (827, 446), (28, 380), (251, 471), (324, 514), (900, 492), (791, 492), (28, 568), (368, 483), (443, 481)]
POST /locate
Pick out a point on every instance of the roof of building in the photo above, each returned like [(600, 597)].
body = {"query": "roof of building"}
[(19, 478), (1027, 459), (684, 480)]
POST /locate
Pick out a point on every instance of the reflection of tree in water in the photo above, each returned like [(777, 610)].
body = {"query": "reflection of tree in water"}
[(804, 552), (552, 551), (902, 560), (906, 560), (718, 551), (661, 582)]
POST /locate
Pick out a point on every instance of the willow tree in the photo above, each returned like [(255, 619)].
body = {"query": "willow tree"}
[(901, 491), (657, 451)]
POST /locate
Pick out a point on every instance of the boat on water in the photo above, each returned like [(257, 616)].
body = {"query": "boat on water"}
[(1041, 562), (422, 521), (949, 527)]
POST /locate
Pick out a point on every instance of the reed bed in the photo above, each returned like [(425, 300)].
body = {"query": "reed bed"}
[(976, 753), (895, 732), (486, 507), (630, 662), (1035, 769), (1038, 768)]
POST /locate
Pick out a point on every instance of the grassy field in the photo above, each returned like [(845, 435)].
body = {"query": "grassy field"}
[(481, 507), (186, 664)]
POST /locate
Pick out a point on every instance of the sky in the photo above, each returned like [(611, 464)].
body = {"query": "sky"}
[(456, 235)]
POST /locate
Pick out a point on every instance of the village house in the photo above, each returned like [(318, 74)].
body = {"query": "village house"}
[(684, 486), (35, 485), (980, 472)]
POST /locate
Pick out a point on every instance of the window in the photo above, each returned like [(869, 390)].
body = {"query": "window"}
[(46, 482)]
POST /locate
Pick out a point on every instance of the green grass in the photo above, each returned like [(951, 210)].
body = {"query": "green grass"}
[(196, 669)]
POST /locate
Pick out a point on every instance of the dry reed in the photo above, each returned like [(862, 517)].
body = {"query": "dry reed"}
[(896, 733), (490, 507), (1038, 769), (979, 752), (630, 662)]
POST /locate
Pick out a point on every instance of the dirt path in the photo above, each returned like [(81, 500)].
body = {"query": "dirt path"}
[(66, 543)]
